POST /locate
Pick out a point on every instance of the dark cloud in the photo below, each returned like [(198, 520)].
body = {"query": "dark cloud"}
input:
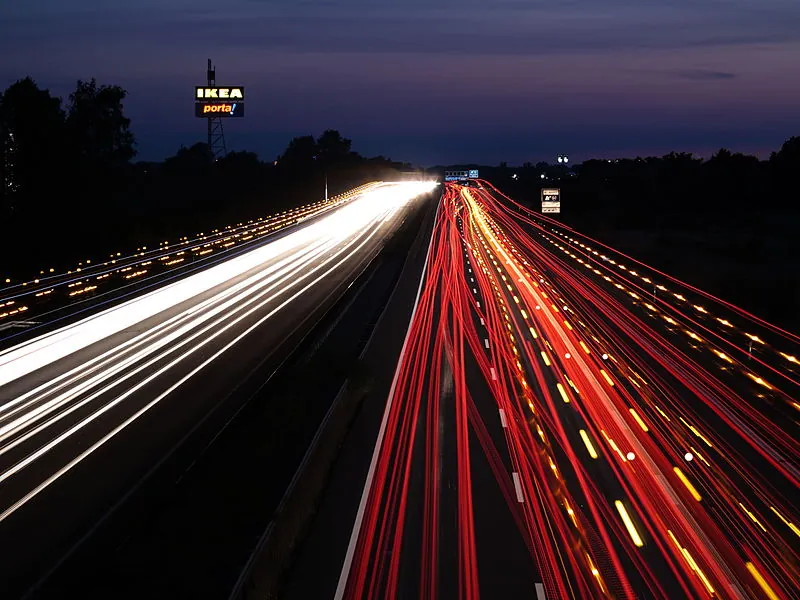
[(429, 68), (706, 75), (436, 27)]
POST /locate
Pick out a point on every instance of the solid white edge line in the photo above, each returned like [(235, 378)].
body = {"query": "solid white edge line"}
[(518, 487), (351, 546), (540, 592)]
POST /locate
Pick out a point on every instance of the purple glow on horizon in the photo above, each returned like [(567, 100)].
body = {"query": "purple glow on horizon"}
[(411, 79)]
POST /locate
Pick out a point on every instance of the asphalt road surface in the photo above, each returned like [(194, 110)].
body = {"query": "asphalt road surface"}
[(88, 410), (54, 299), (565, 422)]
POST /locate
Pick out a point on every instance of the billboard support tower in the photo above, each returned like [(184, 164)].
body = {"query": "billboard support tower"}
[(216, 135)]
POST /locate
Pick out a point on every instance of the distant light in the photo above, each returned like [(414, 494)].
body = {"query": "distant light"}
[(630, 456), (542, 175), (567, 355), (605, 356), (8, 280), (688, 456)]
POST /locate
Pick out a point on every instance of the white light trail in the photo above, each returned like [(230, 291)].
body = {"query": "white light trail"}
[(29, 356)]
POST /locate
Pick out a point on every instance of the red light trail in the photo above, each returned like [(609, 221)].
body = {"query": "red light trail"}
[(642, 434)]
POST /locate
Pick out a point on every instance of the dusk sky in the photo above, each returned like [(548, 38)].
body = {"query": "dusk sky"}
[(433, 81)]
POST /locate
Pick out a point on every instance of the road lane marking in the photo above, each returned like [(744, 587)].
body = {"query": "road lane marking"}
[(540, 595), (486, 343), (518, 487), (503, 421), (81, 424), (351, 546)]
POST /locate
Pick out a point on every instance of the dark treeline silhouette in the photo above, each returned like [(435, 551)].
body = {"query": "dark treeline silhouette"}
[(71, 191), (675, 190), (728, 224)]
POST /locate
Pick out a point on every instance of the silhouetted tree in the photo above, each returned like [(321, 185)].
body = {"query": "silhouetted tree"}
[(34, 209), (99, 129), (789, 154), (721, 155), (240, 166), (193, 161), (332, 148), (32, 125), (240, 172), (299, 154), (785, 170)]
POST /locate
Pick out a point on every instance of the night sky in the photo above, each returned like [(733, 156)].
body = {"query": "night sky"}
[(433, 81)]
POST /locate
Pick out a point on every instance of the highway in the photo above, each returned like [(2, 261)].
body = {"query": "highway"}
[(89, 409), (52, 299), (565, 422)]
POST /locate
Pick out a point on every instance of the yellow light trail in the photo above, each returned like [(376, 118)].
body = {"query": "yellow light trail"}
[(789, 524), (588, 443), (692, 490), (563, 393), (626, 519), (761, 581), (692, 563), (639, 420), (752, 517)]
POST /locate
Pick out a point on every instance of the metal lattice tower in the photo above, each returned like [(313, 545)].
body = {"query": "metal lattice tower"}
[(216, 135)]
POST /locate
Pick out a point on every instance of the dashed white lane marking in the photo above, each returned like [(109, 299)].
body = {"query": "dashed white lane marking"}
[(540, 592), (494, 374), (518, 487), (486, 343), (503, 421)]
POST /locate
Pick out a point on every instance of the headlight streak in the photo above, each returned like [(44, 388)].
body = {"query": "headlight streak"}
[(109, 369), (335, 238)]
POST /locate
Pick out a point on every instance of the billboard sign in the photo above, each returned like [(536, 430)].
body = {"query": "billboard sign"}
[(210, 94), (460, 175), (218, 109), (551, 200), (455, 175)]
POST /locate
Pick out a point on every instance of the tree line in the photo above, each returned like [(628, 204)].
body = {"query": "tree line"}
[(727, 224), (676, 190), (69, 186)]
